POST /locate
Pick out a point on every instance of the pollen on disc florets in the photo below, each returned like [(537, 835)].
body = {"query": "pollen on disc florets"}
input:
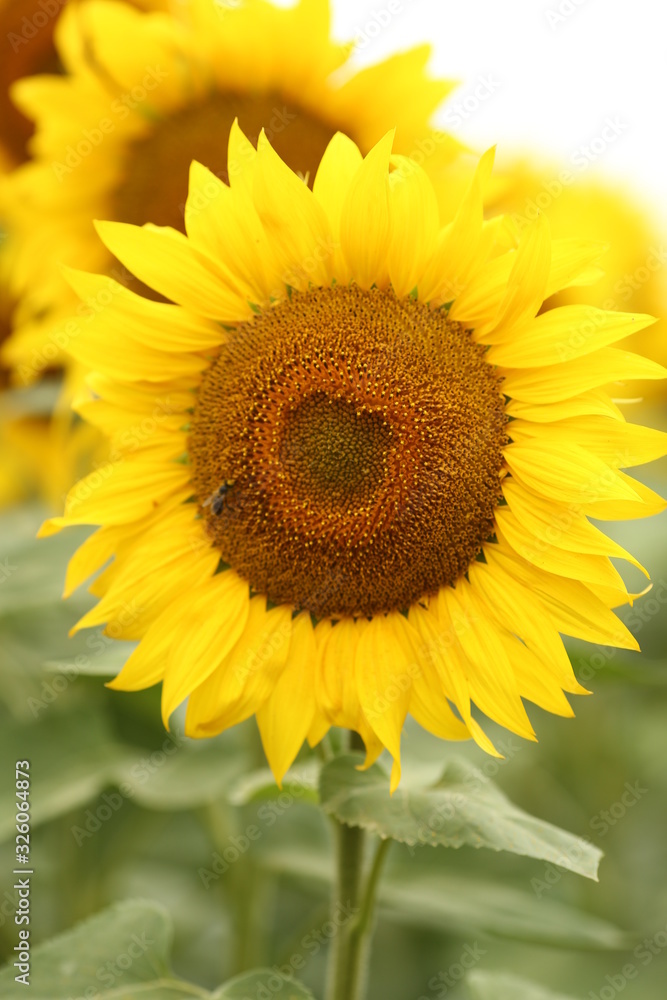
[(354, 440)]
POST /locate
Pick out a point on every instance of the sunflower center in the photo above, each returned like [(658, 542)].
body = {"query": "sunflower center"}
[(154, 184), (332, 451), (346, 451)]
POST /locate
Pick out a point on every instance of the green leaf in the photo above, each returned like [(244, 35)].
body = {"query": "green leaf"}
[(181, 774), (121, 953), (39, 638), (450, 902), (72, 759), (460, 904), (33, 569), (463, 807), (260, 786), (249, 984), (503, 986), (106, 660), (35, 620), (624, 666)]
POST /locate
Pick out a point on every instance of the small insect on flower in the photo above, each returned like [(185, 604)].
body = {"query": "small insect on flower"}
[(217, 500)]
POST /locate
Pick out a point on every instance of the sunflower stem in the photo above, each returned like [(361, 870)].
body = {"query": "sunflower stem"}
[(361, 931), (353, 910), (325, 749), (345, 909)]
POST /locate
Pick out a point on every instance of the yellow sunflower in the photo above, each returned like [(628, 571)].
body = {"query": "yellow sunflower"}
[(41, 448), (36, 453), (146, 93), (38, 456), (354, 467), (635, 275), (27, 27)]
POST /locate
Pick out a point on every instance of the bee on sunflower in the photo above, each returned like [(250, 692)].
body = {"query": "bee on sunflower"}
[(407, 451)]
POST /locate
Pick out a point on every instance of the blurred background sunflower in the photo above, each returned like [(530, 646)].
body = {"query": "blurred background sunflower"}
[(143, 94)]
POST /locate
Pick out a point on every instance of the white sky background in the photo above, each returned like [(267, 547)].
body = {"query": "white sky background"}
[(556, 76)]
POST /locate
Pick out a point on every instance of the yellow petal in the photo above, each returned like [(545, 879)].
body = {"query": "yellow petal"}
[(571, 378), (91, 556), (457, 255), (107, 28), (522, 614), (148, 663), (120, 492), (572, 476), (594, 402), (413, 212), (156, 325), (555, 525), (382, 669), (241, 160), (216, 616), (533, 681), (335, 679), (564, 333), (293, 220), (286, 716), (430, 708), (480, 302), (491, 681), (573, 608), (224, 223), (527, 282), (365, 223), (573, 263), (165, 260), (340, 163), (592, 569), (398, 91), (172, 556), (245, 676), (440, 647), (619, 444), (319, 727), (618, 510)]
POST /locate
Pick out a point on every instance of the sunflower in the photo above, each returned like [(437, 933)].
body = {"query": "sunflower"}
[(146, 93), (41, 448), (28, 27), (598, 208), (38, 455), (353, 465), (32, 460)]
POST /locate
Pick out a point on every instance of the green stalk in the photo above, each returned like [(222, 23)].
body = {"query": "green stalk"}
[(347, 974), (346, 898), (240, 888), (361, 933)]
